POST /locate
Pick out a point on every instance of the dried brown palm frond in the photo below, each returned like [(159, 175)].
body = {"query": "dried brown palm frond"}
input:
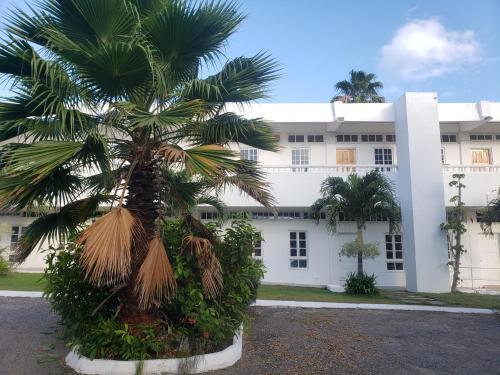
[(155, 280), (202, 249), (107, 245), (211, 278), (199, 246)]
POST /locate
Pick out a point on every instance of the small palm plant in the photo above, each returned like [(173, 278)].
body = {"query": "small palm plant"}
[(109, 97), (360, 88), (360, 198)]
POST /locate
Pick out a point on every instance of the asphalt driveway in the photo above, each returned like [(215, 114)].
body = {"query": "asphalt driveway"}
[(294, 341)]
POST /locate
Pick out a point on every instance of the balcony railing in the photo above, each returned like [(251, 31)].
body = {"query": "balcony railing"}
[(489, 168), (329, 169), (370, 167)]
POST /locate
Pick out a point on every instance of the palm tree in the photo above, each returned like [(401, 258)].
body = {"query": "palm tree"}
[(360, 88), (491, 215), (107, 101), (359, 198)]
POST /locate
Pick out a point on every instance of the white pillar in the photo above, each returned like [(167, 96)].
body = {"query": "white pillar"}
[(421, 191)]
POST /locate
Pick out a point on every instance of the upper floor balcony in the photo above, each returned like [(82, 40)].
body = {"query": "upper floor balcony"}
[(298, 186)]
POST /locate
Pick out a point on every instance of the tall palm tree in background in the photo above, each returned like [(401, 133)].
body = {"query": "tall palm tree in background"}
[(358, 198), (108, 106), (360, 88)]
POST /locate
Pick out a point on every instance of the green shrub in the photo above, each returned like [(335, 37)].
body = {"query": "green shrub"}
[(4, 263), (361, 284), (211, 323), (96, 333), (193, 322)]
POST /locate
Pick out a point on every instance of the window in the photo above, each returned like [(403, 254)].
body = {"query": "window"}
[(347, 138), (383, 156), (394, 252), (315, 138), (16, 232), (374, 138), (391, 138), (443, 156), (257, 249), (209, 215), (447, 138), (346, 156), (298, 249), (497, 137), (239, 215), (295, 138), (262, 215), (481, 137), (289, 215), (345, 217), (481, 156), (311, 215), (248, 154), (378, 217), (300, 156)]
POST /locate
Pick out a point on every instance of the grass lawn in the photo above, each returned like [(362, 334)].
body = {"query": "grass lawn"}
[(35, 282), (289, 293), (22, 281)]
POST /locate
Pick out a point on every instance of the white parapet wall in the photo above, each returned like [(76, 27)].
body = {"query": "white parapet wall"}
[(192, 365)]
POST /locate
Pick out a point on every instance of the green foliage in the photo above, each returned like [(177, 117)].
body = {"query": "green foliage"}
[(4, 263), (194, 323), (108, 338), (351, 249), (86, 75), (214, 321), (491, 215), (361, 284), (360, 197)]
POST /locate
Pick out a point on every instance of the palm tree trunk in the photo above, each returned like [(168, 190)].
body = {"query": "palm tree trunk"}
[(142, 202), (359, 239)]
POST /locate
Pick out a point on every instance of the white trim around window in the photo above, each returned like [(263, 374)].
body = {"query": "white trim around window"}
[(298, 250), (394, 252), (257, 250), (249, 154)]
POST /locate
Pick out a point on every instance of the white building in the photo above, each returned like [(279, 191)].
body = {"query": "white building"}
[(420, 144)]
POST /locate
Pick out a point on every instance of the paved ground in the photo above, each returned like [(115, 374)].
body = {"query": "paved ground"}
[(295, 341)]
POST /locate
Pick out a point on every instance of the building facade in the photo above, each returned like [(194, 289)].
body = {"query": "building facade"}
[(416, 141)]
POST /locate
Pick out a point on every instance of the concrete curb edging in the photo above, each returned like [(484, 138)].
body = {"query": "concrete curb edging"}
[(198, 364), (18, 293), (370, 306), (320, 305)]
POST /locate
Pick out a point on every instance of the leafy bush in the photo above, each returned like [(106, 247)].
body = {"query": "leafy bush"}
[(211, 323), (4, 263), (193, 322), (88, 322), (361, 284)]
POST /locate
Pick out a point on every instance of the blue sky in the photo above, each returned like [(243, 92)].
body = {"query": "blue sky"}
[(452, 47)]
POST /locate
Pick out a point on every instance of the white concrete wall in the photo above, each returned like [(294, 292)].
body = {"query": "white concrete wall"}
[(421, 192), (480, 265), (325, 266), (35, 262)]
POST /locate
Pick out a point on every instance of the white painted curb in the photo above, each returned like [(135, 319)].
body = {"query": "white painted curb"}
[(18, 293), (320, 305), (199, 363), (370, 306)]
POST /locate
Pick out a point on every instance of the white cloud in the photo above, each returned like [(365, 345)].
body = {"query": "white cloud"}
[(423, 49)]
